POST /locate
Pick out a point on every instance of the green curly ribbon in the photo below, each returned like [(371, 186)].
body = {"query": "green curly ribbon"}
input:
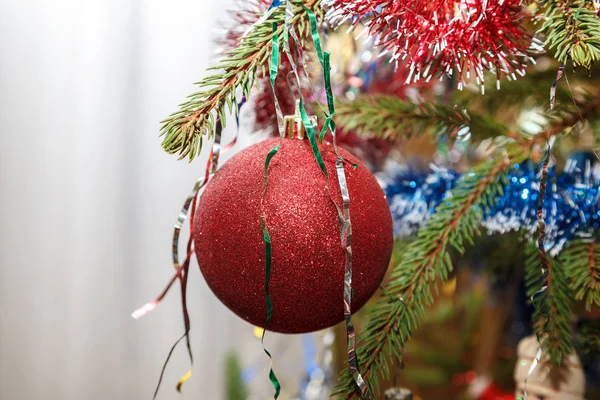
[(268, 267), (312, 137), (274, 64), (324, 59), (329, 123), (273, 72)]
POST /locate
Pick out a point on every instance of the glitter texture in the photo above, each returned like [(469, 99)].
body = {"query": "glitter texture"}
[(307, 281)]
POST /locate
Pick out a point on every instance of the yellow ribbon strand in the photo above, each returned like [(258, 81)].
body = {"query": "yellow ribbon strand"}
[(183, 379)]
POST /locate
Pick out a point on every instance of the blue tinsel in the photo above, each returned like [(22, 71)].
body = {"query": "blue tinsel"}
[(571, 205)]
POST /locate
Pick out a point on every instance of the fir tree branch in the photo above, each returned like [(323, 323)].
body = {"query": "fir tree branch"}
[(572, 29), (595, 126), (581, 260), (572, 107), (588, 338), (183, 131), (389, 117), (397, 314), (568, 115), (529, 91), (552, 305)]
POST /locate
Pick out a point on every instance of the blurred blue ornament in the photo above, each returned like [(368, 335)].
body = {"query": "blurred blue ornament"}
[(571, 204), (413, 195)]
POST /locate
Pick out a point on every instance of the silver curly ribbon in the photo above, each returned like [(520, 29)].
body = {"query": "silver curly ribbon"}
[(344, 213), (559, 75), (346, 236), (544, 260)]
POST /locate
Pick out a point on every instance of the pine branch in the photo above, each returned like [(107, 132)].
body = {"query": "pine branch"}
[(581, 260), (595, 127), (572, 29), (398, 313), (568, 115), (588, 338), (389, 117), (552, 305), (183, 131), (533, 270), (571, 108), (529, 91)]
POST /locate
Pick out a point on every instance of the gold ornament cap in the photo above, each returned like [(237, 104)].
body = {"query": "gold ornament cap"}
[(293, 125)]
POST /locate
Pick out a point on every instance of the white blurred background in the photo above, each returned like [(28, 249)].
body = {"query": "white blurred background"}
[(88, 199)]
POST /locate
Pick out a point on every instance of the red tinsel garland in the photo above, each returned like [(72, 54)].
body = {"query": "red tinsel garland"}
[(437, 36)]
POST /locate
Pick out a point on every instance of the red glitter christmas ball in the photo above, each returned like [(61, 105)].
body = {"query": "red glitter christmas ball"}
[(307, 280)]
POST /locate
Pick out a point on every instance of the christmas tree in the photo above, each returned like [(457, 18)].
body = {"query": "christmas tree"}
[(501, 95)]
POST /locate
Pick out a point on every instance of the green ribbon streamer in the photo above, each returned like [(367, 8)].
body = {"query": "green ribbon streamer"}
[(314, 31), (268, 267), (329, 123), (312, 137), (324, 59), (273, 71), (274, 65)]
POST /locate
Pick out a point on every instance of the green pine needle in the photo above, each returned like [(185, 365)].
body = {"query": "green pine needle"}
[(553, 305), (389, 117), (572, 30), (581, 260), (528, 92), (588, 339)]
